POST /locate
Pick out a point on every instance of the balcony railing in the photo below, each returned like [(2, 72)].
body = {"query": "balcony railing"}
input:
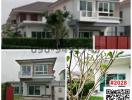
[(30, 75), (98, 16)]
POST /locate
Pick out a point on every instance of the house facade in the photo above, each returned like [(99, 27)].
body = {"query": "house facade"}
[(37, 79), (89, 17), (119, 70)]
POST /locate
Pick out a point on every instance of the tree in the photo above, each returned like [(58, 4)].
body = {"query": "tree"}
[(8, 32), (56, 24), (85, 61)]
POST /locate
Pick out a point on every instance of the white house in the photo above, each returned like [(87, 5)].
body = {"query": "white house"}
[(37, 80), (90, 17), (119, 70)]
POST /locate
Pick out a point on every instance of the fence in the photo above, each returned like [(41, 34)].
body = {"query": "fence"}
[(9, 93), (111, 42)]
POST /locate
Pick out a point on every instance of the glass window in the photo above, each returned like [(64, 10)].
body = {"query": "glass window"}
[(89, 6), (26, 70), (100, 6), (41, 69), (82, 5), (16, 90), (34, 90), (34, 35), (38, 35), (43, 35), (85, 34), (105, 6), (121, 76)]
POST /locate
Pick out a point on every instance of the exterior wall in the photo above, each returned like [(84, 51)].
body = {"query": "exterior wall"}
[(59, 92), (43, 90), (29, 28), (120, 66)]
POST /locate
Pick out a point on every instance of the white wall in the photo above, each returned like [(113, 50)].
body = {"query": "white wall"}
[(31, 27), (59, 94), (120, 66)]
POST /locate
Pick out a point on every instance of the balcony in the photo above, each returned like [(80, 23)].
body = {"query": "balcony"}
[(90, 16), (30, 75)]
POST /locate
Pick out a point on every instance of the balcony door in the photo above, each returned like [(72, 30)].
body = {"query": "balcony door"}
[(86, 8)]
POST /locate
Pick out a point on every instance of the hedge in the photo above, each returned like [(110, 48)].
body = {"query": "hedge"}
[(27, 43)]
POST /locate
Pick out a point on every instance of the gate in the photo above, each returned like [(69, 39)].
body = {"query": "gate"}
[(112, 42), (9, 93)]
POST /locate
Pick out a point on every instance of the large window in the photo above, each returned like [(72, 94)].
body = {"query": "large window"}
[(106, 8), (33, 90), (41, 35), (26, 70), (41, 69), (105, 79), (86, 35), (86, 8), (16, 90)]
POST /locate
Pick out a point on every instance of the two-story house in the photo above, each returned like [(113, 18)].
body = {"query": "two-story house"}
[(89, 17), (27, 20), (36, 76), (119, 70)]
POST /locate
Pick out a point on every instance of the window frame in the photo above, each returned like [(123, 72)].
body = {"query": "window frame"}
[(107, 12), (81, 34), (42, 71), (34, 94), (26, 72)]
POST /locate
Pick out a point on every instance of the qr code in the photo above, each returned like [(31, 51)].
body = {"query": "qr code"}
[(117, 94)]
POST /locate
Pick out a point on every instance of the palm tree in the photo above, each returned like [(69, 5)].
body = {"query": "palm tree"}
[(56, 24)]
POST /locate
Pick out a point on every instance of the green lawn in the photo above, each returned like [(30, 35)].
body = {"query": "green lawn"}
[(96, 98), (17, 97)]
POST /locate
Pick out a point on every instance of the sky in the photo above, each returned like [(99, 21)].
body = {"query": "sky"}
[(8, 5), (10, 67)]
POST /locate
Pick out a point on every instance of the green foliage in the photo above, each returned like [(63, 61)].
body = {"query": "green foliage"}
[(110, 54), (87, 87), (56, 23), (103, 67), (119, 53), (27, 43), (67, 58)]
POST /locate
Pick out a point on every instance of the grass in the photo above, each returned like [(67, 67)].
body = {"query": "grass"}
[(17, 97), (96, 98)]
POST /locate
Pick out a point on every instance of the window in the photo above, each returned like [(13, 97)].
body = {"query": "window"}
[(34, 90), (26, 70), (86, 34), (106, 8), (105, 79), (82, 5), (16, 90), (41, 69), (86, 8), (41, 35)]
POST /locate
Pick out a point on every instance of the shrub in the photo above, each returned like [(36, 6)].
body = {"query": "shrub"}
[(26, 43)]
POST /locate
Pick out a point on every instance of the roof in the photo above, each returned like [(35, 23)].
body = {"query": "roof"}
[(58, 2), (33, 7), (23, 61)]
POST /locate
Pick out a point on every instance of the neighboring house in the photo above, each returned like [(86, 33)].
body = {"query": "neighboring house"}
[(90, 17), (119, 70), (124, 27), (28, 21), (37, 79)]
